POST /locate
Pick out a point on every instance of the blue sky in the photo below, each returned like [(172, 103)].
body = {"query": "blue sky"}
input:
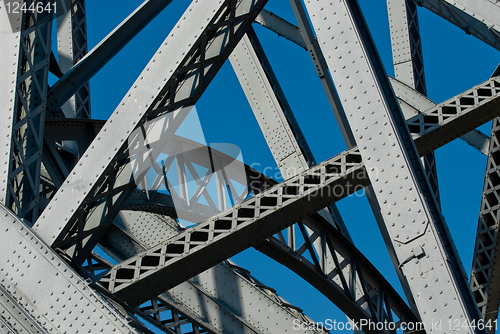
[(453, 61)]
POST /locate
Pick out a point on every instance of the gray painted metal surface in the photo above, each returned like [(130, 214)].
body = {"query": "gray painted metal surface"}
[(8, 71), (406, 44), (222, 310), (409, 64), (485, 265), (71, 48), (44, 284), (28, 115), (412, 103), (481, 18), (46, 288), (140, 104), (208, 239), (412, 222)]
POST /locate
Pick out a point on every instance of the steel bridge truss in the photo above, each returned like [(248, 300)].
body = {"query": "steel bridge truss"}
[(89, 214)]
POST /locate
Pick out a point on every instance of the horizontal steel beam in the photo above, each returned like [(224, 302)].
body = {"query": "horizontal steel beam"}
[(474, 107), (412, 103)]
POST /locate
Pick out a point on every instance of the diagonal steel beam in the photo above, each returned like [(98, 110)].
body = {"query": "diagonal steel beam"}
[(132, 232), (43, 286), (209, 243), (318, 59), (10, 42), (412, 102), (26, 124), (409, 63), (485, 264), (273, 113), (412, 226), (190, 57), (345, 172), (406, 44), (72, 47), (74, 79), (480, 18)]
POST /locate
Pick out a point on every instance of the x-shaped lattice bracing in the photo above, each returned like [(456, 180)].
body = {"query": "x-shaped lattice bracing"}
[(189, 76), (180, 249), (265, 206)]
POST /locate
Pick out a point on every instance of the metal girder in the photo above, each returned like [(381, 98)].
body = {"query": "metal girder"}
[(321, 66), (10, 42), (280, 26), (221, 309), (229, 226), (270, 107), (273, 113), (406, 44), (41, 285), (25, 156), (477, 98), (413, 228), (340, 272), (409, 63), (304, 37), (190, 57), (480, 18), (76, 78), (72, 47), (160, 312), (14, 317), (411, 101), (209, 243), (485, 265)]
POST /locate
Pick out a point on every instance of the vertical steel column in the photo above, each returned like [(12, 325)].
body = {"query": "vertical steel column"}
[(485, 265), (8, 72), (322, 68), (72, 47), (29, 115), (415, 231), (406, 44), (409, 62)]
